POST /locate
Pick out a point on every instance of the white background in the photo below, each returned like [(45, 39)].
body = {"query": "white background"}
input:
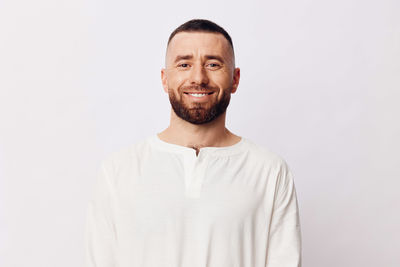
[(319, 85)]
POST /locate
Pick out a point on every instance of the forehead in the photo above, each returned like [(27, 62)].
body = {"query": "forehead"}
[(198, 43)]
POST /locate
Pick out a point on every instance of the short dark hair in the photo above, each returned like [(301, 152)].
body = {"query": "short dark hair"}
[(201, 25)]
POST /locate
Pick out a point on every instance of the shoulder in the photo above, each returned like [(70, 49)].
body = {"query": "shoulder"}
[(125, 156), (262, 153), (273, 163)]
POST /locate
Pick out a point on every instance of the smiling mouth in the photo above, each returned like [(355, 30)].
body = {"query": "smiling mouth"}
[(198, 94)]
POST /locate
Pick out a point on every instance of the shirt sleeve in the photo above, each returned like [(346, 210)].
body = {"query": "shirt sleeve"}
[(284, 246), (99, 230)]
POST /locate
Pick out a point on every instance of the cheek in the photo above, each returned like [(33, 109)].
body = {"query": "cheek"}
[(222, 80), (176, 81)]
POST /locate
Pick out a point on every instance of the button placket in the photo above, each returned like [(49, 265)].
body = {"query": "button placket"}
[(194, 174)]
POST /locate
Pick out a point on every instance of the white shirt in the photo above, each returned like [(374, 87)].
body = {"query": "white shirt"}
[(157, 204)]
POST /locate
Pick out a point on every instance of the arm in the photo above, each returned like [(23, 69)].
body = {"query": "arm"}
[(99, 234), (284, 246)]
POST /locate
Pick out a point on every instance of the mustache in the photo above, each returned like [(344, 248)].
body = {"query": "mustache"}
[(199, 88)]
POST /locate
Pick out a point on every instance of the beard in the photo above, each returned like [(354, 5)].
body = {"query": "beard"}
[(198, 113)]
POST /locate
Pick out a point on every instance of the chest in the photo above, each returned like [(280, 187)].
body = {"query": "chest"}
[(215, 192)]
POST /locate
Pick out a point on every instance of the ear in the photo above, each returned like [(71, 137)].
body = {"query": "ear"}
[(236, 78), (164, 80)]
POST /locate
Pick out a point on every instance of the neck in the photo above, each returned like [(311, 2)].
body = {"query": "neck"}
[(196, 136)]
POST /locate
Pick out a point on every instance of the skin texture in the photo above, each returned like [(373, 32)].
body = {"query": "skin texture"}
[(199, 62)]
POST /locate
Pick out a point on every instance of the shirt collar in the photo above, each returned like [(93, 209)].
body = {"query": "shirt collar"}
[(218, 151)]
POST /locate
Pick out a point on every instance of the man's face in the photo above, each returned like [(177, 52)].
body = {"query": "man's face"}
[(200, 63)]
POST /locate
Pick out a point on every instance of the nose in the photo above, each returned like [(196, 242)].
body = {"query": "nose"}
[(198, 75)]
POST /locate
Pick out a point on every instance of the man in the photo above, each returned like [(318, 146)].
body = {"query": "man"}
[(195, 194)]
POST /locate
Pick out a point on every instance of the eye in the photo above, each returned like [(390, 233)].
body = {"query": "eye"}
[(213, 65), (183, 65)]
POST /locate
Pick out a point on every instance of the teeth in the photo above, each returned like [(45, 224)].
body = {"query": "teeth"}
[(198, 95)]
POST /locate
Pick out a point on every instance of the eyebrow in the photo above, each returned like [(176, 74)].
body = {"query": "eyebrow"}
[(215, 57), (185, 57), (182, 57)]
